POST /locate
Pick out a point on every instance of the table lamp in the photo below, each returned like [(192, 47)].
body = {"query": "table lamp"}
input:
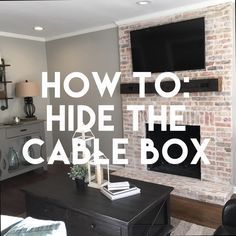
[(28, 90)]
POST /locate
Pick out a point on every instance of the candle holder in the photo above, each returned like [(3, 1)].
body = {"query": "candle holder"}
[(98, 174)]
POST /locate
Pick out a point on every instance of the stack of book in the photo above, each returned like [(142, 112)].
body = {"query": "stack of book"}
[(119, 190)]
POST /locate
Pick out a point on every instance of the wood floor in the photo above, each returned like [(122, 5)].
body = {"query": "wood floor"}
[(12, 198), (13, 203)]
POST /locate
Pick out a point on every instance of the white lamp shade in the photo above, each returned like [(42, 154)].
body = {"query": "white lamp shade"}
[(27, 89)]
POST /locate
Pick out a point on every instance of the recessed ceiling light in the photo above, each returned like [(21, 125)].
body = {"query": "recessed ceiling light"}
[(143, 2), (38, 28)]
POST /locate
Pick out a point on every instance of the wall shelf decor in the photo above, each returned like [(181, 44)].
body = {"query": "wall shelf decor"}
[(3, 85)]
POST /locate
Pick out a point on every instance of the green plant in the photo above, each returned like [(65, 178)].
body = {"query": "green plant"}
[(78, 172)]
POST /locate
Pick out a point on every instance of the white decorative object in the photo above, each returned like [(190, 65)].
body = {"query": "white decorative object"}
[(86, 135), (96, 172)]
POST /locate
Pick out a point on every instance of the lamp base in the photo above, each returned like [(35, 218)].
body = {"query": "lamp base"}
[(28, 119), (29, 107)]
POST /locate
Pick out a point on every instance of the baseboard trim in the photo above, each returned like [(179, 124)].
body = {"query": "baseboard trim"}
[(234, 189)]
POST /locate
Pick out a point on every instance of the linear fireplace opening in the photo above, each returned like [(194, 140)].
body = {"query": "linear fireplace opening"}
[(159, 138)]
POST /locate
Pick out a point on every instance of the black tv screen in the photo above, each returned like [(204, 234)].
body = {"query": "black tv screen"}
[(172, 47)]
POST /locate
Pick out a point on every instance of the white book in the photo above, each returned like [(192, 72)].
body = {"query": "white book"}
[(118, 185), (122, 195), (119, 191)]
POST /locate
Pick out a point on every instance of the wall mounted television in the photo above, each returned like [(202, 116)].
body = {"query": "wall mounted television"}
[(171, 47)]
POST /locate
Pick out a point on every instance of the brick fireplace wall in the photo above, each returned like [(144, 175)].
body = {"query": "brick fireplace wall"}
[(211, 110)]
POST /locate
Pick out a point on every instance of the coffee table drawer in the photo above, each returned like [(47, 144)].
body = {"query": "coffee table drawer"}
[(80, 224), (36, 207)]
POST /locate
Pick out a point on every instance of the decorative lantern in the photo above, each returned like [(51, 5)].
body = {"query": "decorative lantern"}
[(98, 174), (86, 135)]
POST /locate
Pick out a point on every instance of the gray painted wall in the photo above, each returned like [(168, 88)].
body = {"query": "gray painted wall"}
[(28, 60), (97, 51)]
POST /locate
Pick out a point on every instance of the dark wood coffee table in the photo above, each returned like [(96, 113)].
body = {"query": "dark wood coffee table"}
[(90, 213)]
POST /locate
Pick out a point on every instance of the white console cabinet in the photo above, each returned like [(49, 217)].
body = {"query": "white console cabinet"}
[(13, 137)]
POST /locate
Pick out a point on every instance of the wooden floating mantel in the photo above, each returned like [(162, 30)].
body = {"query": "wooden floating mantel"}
[(194, 85)]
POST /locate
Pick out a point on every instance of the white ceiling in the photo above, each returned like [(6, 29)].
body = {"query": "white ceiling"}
[(65, 17)]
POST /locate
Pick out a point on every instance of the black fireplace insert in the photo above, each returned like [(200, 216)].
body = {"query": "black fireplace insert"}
[(159, 138)]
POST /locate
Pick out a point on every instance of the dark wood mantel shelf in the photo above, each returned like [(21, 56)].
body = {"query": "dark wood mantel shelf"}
[(194, 85)]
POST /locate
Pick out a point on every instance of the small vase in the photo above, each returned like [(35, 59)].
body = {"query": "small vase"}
[(80, 183), (13, 159)]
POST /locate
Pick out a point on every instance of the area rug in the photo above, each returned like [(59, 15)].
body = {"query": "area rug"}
[(185, 228)]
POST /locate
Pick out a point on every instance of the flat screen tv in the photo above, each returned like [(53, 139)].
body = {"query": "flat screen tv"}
[(172, 47)]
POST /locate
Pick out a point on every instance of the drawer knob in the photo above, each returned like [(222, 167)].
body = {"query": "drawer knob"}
[(92, 226), (23, 130), (45, 210)]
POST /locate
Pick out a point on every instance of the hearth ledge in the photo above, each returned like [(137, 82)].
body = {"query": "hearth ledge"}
[(205, 191)]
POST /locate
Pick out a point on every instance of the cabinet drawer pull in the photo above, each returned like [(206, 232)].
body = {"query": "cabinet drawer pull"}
[(93, 226), (23, 130)]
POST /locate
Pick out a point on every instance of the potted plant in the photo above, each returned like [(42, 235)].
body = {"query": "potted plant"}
[(79, 173)]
